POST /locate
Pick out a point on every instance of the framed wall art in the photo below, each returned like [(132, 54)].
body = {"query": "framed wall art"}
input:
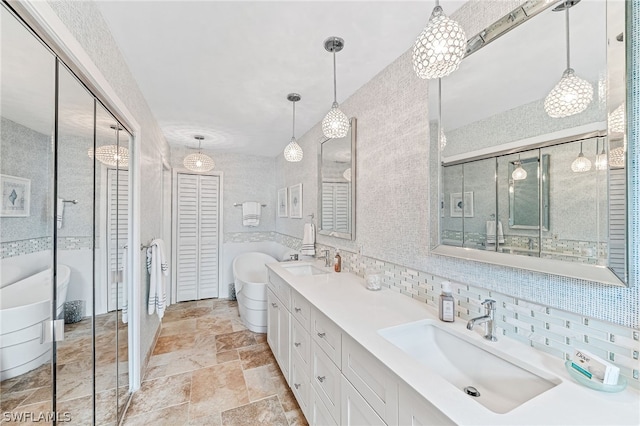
[(16, 196), (295, 201), (460, 204), (283, 209)]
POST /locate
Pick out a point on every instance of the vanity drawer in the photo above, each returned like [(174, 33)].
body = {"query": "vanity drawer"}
[(319, 415), (355, 410), (300, 384), (327, 335), (325, 378), (280, 288), (301, 309), (371, 379), (301, 344)]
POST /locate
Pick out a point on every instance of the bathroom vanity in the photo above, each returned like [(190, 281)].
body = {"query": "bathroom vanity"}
[(353, 357)]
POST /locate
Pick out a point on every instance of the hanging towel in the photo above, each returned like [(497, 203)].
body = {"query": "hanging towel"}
[(158, 269), (309, 240), (251, 213), (59, 212), (491, 232), (125, 288)]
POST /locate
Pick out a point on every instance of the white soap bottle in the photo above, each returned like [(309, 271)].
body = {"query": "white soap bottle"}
[(447, 310)]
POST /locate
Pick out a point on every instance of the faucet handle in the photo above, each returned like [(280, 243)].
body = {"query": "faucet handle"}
[(489, 304)]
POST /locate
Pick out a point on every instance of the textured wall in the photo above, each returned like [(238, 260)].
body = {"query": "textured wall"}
[(84, 21), (392, 220), (27, 154), (245, 178)]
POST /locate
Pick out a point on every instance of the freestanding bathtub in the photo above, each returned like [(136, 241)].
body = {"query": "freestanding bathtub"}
[(24, 305), (250, 277)]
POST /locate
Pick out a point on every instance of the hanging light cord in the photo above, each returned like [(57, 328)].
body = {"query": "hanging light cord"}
[(581, 148), (335, 90), (293, 130), (567, 24)]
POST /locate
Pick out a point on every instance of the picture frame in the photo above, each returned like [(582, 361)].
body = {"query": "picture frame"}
[(283, 203), (295, 201), (16, 196), (459, 204)]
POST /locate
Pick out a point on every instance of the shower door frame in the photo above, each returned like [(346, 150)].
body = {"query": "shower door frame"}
[(48, 26)]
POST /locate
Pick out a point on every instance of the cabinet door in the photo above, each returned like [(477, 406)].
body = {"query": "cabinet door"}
[(300, 384), (284, 341), (319, 415), (355, 410), (325, 378), (414, 410), (272, 322)]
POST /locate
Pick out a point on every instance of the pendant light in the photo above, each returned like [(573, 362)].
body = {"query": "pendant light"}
[(601, 158), (440, 47), (572, 94), (112, 155), (347, 174), (581, 163), (519, 173), (335, 124), (198, 162), (293, 152), (616, 120)]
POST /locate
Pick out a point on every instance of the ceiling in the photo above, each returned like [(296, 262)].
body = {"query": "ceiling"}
[(223, 69)]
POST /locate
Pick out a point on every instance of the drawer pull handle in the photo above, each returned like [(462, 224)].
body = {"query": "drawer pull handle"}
[(297, 309), (297, 344), (321, 335), (297, 385), (275, 305), (321, 378)]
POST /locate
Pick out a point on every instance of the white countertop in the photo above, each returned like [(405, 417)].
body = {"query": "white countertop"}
[(360, 313)]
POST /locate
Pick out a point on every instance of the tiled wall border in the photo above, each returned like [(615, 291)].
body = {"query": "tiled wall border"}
[(34, 245)]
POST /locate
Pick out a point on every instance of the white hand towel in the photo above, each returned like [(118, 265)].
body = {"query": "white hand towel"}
[(309, 240), (491, 232), (251, 213), (125, 288), (158, 268), (59, 212)]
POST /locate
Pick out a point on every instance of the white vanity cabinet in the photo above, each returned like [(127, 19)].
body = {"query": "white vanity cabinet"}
[(355, 410), (414, 410), (278, 332)]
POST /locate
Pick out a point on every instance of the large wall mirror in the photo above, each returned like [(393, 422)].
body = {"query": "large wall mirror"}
[(519, 185), (336, 185)]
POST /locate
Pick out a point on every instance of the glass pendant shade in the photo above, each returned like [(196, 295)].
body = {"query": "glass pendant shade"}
[(616, 120), (293, 152), (335, 124), (570, 96), (519, 173), (111, 155), (601, 160), (616, 157), (440, 47), (198, 162), (581, 164), (347, 174)]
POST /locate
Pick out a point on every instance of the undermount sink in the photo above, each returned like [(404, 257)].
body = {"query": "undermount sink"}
[(502, 385), (303, 269)]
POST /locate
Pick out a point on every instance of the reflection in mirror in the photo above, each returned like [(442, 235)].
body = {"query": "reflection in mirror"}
[(504, 115), (27, 296), (337, 185)]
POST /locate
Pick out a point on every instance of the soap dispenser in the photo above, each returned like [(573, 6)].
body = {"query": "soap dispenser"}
[(447, 309), (337, 262)]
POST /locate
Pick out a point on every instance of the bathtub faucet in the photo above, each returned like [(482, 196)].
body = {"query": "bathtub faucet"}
[(293, 256)]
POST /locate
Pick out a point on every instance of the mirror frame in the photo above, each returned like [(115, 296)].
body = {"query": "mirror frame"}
[(344, 235), (593, 273)]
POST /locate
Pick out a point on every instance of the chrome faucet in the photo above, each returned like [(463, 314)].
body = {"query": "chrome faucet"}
[(326, 257), (531, 245), (487, 319)]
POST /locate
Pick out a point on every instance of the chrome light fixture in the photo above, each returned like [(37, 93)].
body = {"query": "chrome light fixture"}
[(582, 163), (519, 173), (293, 152), (572, 94), (198, 162), (440, 47), (111, 155), (335, 124), (616, 120), (617, 156), (601, 158)]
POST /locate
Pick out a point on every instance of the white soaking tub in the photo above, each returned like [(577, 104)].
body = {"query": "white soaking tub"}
[(250, 277), (24, 305)]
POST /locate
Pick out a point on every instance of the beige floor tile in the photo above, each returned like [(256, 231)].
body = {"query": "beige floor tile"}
[(234, 340), (9, 401), (174, 343), (178, 327), (26, 415), (162, 392), (292, 410), (256, 356), (264, 381), (214, 325), (169, 416), (222, 385), (264, 412)]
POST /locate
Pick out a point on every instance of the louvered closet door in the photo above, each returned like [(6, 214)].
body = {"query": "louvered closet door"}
[(118, 228), (197, 244), (342, 206)]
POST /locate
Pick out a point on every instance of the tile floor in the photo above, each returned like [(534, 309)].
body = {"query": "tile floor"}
[(32, 392), (208, 369)]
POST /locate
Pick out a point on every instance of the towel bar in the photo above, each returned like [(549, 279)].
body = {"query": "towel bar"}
[(70, 201), (240, 205)]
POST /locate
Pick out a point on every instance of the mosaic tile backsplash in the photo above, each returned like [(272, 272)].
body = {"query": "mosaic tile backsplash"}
[(34, 245)]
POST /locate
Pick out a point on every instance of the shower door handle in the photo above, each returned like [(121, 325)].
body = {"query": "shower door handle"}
[(52, 331)]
